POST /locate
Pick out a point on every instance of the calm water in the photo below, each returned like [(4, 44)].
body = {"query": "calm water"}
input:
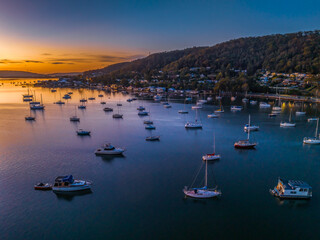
[(139, 196)]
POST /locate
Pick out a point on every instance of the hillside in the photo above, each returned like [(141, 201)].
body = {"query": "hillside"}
[(294, 52), (19, 74)]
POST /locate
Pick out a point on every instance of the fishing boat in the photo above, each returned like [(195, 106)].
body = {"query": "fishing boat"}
[(43, 186), (64, 184), (194, 124), (82, 132), (75, 118), (288, 124), (245, 144), (108, 149), (315, 139), (202, 192), (212, 156), (236, 108), (292, 189), (249, 127)]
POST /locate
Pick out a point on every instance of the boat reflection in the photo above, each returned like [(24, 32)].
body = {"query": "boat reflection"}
[(68, 196)]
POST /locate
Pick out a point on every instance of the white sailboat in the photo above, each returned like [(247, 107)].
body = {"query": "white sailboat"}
[(302, 112), (212, 156), (184, 111), (249, 127), (220, 110), (277, 108), (202, 192), (75, 118), (315, 139), (194, 124), (288, 124)]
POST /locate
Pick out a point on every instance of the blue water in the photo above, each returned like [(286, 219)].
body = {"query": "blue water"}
[(139, 196)]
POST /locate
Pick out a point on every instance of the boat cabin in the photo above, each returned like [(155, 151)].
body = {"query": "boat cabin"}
[(63, 181), (293, 189)]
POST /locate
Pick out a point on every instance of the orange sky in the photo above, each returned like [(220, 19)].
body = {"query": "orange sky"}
[(37, 57)]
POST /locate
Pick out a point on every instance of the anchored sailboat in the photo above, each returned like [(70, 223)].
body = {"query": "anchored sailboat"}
[(212, 156), (315, 139)]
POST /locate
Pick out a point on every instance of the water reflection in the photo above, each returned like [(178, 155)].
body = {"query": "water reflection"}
[(69, 196)]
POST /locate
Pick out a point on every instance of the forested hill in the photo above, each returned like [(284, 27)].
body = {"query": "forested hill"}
[(294, 52)]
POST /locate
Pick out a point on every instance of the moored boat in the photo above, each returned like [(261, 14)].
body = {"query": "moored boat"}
[(108, 149), (43, 186), (64, 184), (292, 189)]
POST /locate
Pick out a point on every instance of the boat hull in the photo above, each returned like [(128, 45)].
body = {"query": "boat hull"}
[(201, 194), (71, 189)]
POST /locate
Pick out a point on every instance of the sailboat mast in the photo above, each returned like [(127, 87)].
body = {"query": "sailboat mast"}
[(214, 143), (206, 175), (249, 120), (316, 134), (290, 115)]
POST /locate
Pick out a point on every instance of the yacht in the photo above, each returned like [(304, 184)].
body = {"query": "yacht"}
[(82, 132), (108, 149), (212, 156), (249, 127), (202, 192), (315, 139), (288, 124), (63, 184), (245, 144), (236, 108), (292, 189), (194, 124)]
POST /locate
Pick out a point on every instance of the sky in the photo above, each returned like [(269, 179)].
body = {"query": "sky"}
[(47, 36)]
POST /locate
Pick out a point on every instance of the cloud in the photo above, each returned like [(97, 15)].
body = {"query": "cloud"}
[(61, 63), (32, 61), (5, 61), (46, 54)]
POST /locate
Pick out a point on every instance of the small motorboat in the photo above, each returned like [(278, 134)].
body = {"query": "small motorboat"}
[(74, 119), (108, 149), (64, 184), (143, 113), (183, 112), (108, 109), (140, 108), (148, 122), (150, 127), (117, 115), (82, 132), (213, 115), (30, 118), (153, 138), (236, 108), (43, 186)]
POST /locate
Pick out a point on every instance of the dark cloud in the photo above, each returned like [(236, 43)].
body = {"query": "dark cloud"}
[(32, 61), (61, 63), (46, 54)]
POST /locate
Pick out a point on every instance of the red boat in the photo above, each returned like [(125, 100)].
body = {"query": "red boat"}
[(43, 186), (245, 144)]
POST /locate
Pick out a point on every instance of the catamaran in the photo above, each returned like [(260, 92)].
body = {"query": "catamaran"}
[(194, 124), (249, 127), (202, 192), (315, 139), (212, 156)]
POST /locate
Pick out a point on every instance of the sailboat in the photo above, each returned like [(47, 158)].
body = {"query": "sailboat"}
[(315, 139), (302, 112), (60, 102), (184, 111), (277, 108), (82, 106), (220, 110), (314, 118), (28, 95), (245, 144), (148, 122), (75, 118), (117, 115), (37, 106), (152, 137), (212, 156), (30, 117), (288, 124), (194, 124), (249, 127), (202, 192)]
